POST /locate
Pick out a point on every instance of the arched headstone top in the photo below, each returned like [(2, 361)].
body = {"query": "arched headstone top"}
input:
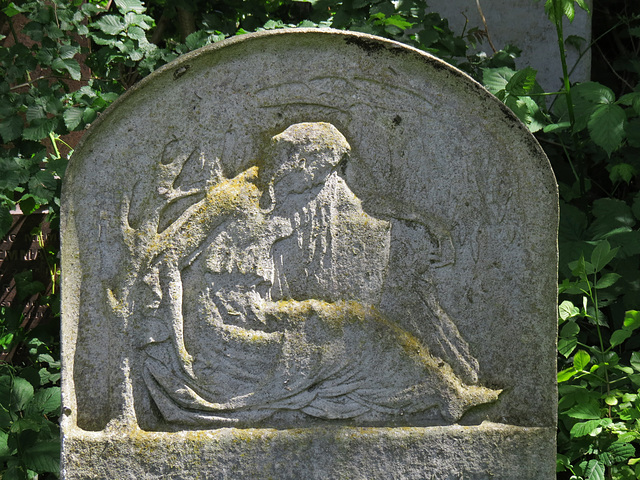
[(308, 228)]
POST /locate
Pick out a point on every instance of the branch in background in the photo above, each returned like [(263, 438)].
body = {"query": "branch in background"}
[(486, 27)]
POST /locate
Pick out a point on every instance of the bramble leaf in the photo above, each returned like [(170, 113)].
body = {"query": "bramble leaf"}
[(607, 127), (622, 172), (522, 82)]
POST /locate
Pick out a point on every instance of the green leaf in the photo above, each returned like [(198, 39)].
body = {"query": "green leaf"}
[(631, 319), (21, 393), (631, 99), (109, 24), (11, 128), (47, 400), (566, 374), (6, 220), (595, 469), (496, 79), (632, 131), (622, 172), (619, 336), (130, 6), (43, 184), (582, 429), (607, 127), (594, 93), (35, 112), (602, 255), (565, 347), (610, 214), (581, 359), (43, 456), (67, 65), (568, 310), (621, 451), (522, 82), (588, 410), (72, 117), (607, 280), (12, 10), (40, 129)]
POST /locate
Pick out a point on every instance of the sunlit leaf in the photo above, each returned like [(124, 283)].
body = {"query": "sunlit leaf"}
[(581, 359), (619, 336)]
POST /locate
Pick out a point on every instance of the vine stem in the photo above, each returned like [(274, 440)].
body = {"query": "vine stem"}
[(563, 58)]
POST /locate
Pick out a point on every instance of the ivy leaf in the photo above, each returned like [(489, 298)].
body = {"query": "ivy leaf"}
[(610, 214), (607, 127)]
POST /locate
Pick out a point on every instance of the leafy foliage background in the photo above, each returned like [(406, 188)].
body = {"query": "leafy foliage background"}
[(63, 62)]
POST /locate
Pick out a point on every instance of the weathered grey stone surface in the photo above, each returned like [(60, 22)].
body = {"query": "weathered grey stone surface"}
[(309, 254)]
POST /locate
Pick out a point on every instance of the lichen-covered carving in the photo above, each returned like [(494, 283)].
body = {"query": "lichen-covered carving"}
[(273, 297)]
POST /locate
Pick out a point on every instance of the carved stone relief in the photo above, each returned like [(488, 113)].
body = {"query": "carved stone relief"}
[(264, 300), (349, 252)]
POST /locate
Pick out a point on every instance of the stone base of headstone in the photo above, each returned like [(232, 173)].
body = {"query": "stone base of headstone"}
[(454, 452)]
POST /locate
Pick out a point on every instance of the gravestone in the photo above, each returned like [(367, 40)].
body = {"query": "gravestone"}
[(309, 254)]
